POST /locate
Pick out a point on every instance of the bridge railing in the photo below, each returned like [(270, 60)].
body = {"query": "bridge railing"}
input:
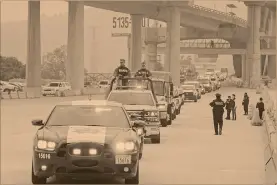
[(205, 44), (227, 15), (270, 128)]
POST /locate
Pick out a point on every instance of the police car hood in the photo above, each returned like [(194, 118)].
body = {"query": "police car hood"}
[(140, 107), (188, 90), (97, 134)]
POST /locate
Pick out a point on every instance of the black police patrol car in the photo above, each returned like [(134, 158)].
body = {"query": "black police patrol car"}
[(87, 140)]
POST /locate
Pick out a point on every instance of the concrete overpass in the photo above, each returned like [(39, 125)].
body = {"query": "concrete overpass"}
[(195, 19), (260, 31)]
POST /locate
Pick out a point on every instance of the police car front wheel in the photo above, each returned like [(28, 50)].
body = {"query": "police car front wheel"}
[(36, 179), (135, 179)]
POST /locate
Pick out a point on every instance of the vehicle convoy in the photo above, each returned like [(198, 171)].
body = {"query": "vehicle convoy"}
[(163, 89), (206, 84), (87, 140), (178, 100), (140, 101), (55, 88), (7, 87), (216, 82), (197, 87), (103, 84), (190, 92)]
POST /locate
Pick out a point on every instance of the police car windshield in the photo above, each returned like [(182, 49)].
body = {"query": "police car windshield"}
[(132, 98), (53, 85), (188, 87), (75, 115), (204, 81), (158, 87)]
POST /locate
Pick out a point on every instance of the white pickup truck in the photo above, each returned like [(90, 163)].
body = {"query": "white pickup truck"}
[(55, 88)]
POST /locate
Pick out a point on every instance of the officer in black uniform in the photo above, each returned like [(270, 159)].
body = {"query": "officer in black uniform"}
[(218, 111), (143, 72), (122, 71)]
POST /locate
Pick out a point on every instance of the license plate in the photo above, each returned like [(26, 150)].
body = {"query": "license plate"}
[(123, 159)]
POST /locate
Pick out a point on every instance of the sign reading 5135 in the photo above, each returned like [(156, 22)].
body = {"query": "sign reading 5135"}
[(125, 22), (121, 22)]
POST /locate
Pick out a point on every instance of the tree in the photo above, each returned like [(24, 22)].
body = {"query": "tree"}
[(11, 68), (53, 65)]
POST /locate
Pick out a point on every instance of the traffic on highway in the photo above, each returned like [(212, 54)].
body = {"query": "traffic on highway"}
[(92, 139)]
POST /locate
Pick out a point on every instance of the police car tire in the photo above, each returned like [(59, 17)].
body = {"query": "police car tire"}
[(195, 100), (36, 179), (156, 140), (164, 122), (135, 179)]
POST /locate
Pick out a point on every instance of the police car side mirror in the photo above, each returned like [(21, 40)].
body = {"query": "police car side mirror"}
[(37, 122)]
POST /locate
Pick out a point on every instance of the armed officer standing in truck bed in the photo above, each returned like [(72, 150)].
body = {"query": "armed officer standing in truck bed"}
[(143, 72), (218, 111)]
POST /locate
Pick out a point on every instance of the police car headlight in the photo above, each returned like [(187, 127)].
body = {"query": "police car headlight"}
[(153, 114), (46, 145), (76, 151), (125, 146)]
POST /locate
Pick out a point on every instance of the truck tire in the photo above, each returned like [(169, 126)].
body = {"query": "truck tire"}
[(164, 122)]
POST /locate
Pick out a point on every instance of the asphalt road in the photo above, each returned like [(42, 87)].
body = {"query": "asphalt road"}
[(189, 153)]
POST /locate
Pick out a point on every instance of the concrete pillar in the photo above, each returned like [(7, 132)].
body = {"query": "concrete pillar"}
[(151, 56), (175, 45), (253, 44), (243, 67), (272, 68), (167, 54), (75, 46), (136, 42), (264, 19), (33, 69)]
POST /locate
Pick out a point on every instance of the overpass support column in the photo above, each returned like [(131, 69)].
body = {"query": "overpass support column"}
[(167, 52), (75, 46), (244, 70), (33, 69), (272, 67), (253, 43), (174, 45), (136, 42), (152, 55)]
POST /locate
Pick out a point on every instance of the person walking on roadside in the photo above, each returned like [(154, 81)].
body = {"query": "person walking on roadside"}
[(218, 111), (245, 103), (260, 107), (228, 108), (233, 107)]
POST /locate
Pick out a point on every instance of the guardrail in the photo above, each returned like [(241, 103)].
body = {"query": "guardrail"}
[(270, 130), (25, 95), (229, 16)]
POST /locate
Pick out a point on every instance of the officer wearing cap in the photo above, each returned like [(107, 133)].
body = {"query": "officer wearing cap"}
[(218, 111), (143, 72), (122, 70)]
